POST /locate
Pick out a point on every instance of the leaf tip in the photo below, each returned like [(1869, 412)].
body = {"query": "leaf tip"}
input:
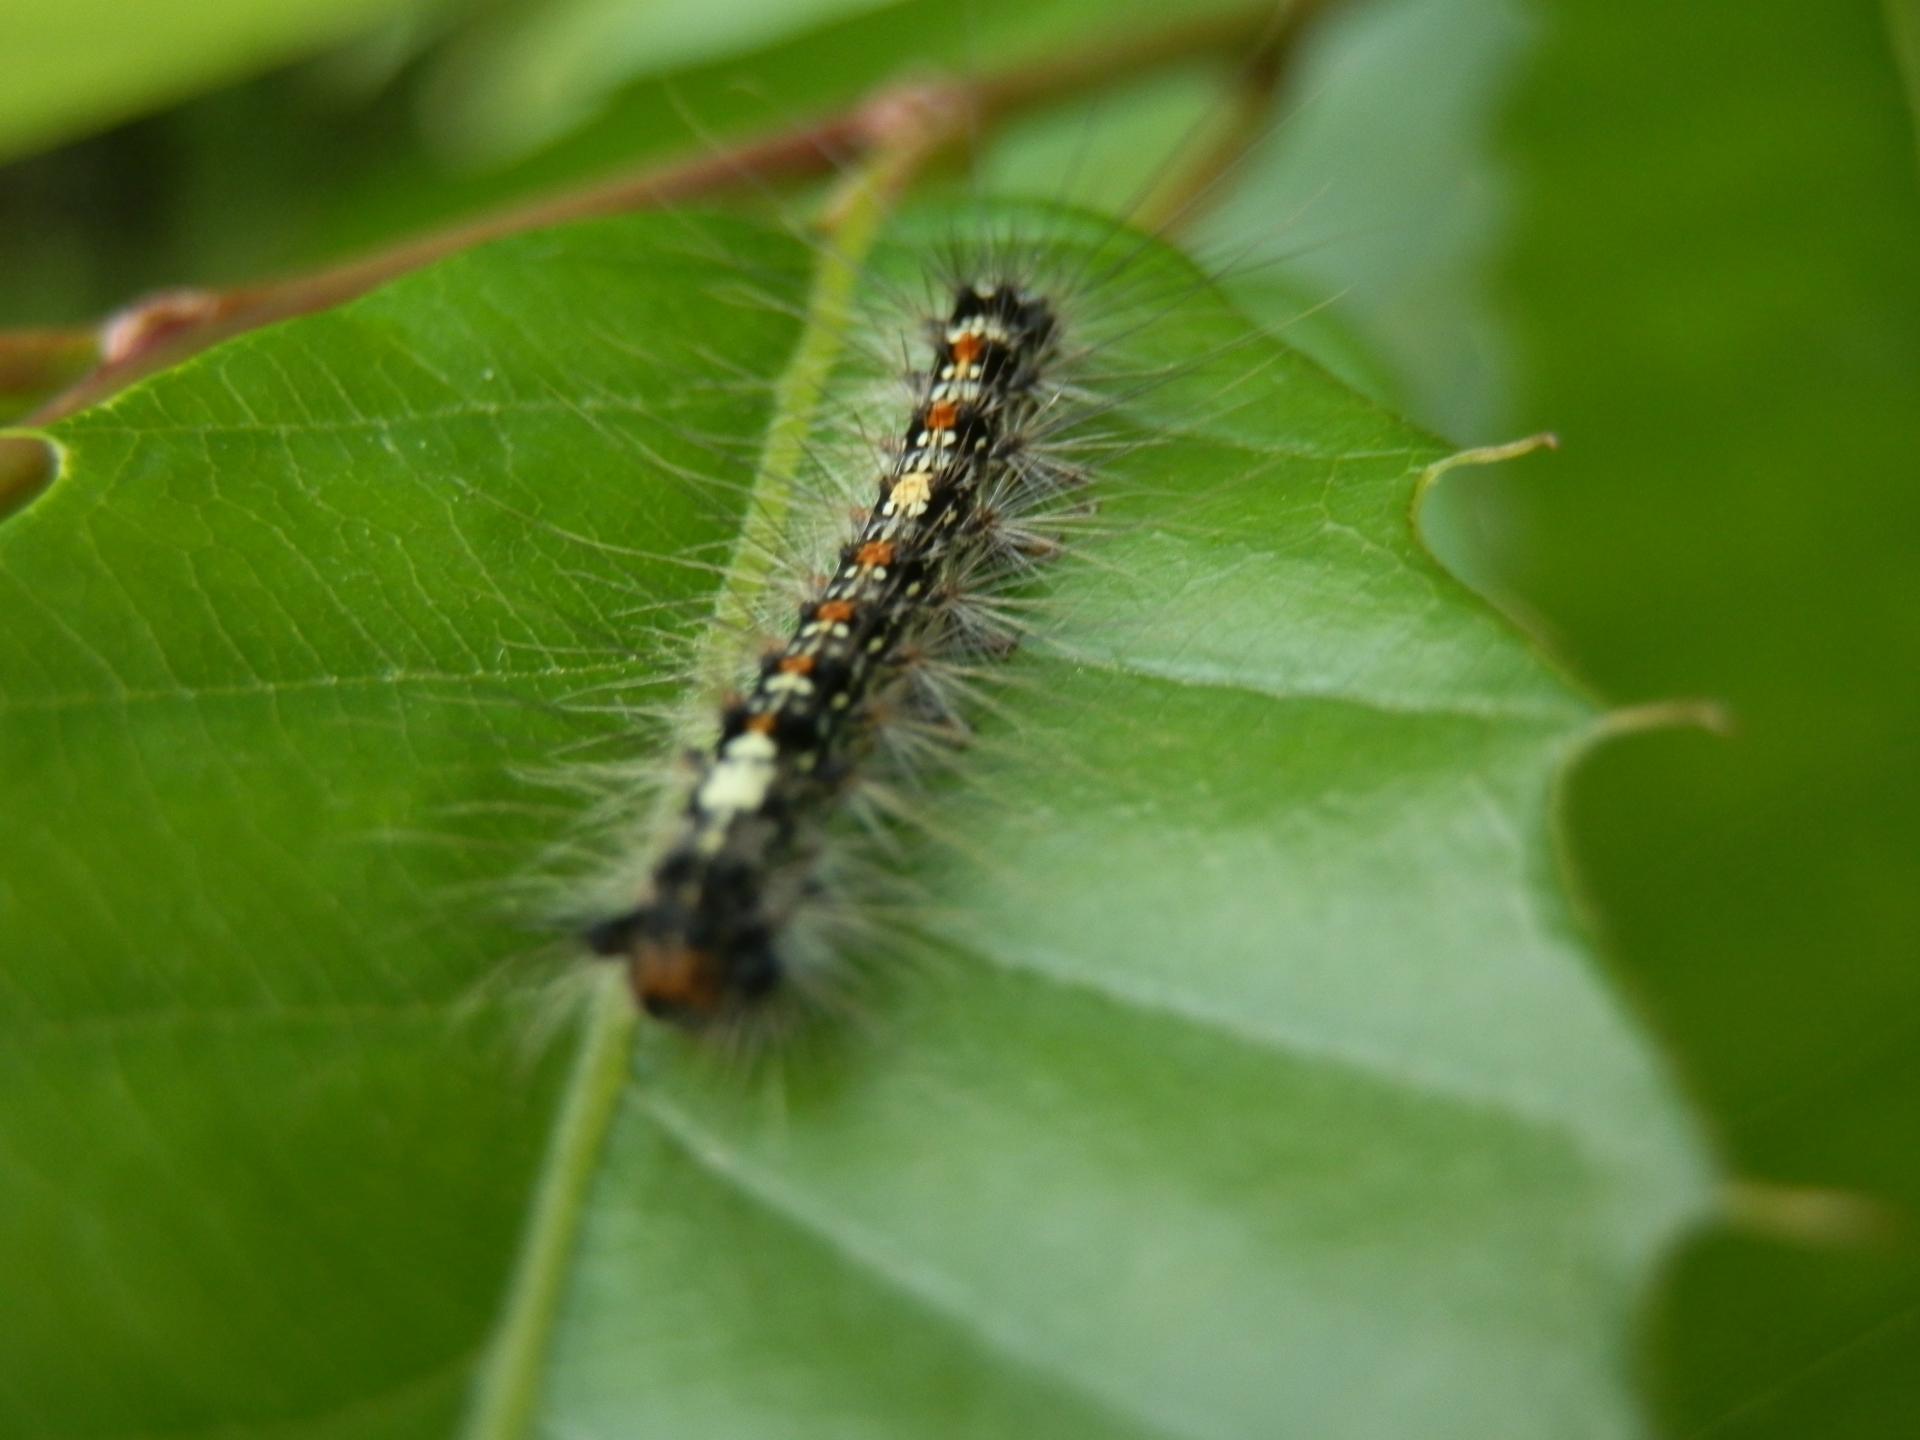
[(1480, 455), (1712, 717), (1810, 1215)]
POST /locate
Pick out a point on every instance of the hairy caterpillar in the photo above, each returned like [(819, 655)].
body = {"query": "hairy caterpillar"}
[(967, 504), (707, 939)]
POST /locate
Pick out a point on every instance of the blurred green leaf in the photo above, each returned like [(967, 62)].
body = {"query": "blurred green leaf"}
[(1903, 21), (74, 65), (526, 74), (1381, 188), (1263, 1083), (1713, 290), (299, 169)]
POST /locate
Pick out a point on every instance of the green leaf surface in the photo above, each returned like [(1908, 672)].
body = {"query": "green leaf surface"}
[(1261, 1081), (72, 65)]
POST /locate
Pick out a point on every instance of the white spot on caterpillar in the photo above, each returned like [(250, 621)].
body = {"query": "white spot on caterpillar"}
[(736, 784), (750, 745), (911, 492)]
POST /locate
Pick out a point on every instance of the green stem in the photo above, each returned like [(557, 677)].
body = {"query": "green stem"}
[(510, 1378), (851, 223)]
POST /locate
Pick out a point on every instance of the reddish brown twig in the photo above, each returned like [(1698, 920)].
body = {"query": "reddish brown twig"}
[(33, 362)]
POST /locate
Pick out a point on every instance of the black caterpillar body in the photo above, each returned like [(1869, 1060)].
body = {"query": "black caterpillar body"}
[(707, 940)]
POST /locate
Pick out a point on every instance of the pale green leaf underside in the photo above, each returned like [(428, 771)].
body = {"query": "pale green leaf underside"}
[(1264, 1087)]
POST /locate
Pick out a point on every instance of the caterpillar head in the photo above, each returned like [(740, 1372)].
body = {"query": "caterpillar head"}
[(684, 978)]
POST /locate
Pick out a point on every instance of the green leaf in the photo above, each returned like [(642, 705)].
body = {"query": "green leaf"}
[(1903, 24), (1713, 295), (1688, 249), (1261, 1081), (73, 65)]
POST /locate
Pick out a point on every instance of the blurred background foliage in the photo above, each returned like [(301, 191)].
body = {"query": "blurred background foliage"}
[(1683, 237)]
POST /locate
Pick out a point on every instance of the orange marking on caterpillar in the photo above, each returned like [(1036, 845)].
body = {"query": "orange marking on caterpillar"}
[(967, 349), (874, 552), (763, 724), (942, 414), (675, 980), (796, 665), (834, 612)]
